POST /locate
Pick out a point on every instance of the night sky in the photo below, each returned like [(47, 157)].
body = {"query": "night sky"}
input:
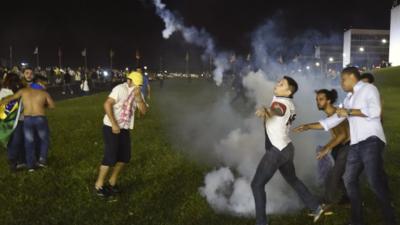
[(129, 25)]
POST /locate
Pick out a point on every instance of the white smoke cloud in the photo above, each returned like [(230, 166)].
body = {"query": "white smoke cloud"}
[(237, 141), (194, 36), (242, 149)]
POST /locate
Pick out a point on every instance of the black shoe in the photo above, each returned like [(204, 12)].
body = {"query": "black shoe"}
[(42, 163), (114, 189), (21, 166), (102, 192)]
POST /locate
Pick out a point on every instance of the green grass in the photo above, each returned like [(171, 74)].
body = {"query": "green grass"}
[(161, 182)]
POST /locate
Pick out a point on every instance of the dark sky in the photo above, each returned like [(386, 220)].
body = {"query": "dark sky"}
[(129, 25)]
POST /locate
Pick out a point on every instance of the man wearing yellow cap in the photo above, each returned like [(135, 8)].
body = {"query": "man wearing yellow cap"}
[(120, 108)]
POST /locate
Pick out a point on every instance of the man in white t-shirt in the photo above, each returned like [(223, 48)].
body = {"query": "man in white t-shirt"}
[(280, 151), (120, 109)]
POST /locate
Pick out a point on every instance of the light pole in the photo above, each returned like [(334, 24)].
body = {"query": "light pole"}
[(362, 50)]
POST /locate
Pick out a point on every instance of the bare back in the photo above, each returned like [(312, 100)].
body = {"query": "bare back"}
[(35, 102)]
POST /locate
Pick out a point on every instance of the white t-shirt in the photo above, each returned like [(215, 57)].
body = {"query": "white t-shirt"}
[(4, 92), (120, 94), (278, 127)]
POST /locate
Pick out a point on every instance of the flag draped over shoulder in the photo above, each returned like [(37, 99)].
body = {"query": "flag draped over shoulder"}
[(9, 115)]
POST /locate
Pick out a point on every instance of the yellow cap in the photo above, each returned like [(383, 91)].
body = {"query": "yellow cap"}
[(136, 77)]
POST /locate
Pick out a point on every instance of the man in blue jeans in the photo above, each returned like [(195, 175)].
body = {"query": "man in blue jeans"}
[(280, 151), (362, 108), (35, 102)]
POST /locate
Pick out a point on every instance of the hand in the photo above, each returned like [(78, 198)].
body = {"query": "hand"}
[(321, 154), (342, 112), (261, 113), (301, 128), (115, 129)]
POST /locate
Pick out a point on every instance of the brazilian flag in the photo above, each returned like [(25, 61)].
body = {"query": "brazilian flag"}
[(9, 115)]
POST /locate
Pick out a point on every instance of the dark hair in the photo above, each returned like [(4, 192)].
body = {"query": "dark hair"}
[(26, 68), (331, 95), (352, 70), (369, 76), (12, 82), (39, 78), (292, 85)]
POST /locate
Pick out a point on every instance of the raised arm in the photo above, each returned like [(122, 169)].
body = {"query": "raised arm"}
[(10, 98), (309, 126), (276, 109), (373, 107)]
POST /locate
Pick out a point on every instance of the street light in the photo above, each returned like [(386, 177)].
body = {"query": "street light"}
[(331, 59), (317, 64), (361, 49), (145, 67)]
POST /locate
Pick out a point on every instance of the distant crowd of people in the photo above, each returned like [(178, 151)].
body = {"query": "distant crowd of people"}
[(24, 130), (65, 77)]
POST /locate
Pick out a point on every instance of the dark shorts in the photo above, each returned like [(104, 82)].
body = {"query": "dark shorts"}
[(117, 147)]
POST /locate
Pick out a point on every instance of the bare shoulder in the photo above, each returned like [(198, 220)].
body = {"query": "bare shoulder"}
[(25, 91), (343, 126)]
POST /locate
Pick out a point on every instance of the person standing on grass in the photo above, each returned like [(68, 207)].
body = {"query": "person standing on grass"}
[(362, 108), (146, 91), (35, 101), (18, 135), (120, 108), (280, 151), (338, 147), (15, 143)]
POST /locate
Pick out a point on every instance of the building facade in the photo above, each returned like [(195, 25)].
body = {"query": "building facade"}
[(366, 48)]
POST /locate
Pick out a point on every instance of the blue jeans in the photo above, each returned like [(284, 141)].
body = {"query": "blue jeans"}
[(367, 155), (15, 146), (36, 125), (335, 190), (272, 161)]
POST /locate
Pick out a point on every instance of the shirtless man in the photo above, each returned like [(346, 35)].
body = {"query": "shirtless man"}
[(35, 103), (335, 191)]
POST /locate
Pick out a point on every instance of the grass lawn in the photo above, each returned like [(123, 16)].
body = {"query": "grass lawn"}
[(160, 184)]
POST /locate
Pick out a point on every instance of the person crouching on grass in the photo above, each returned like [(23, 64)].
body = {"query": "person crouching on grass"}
[(120, 108), (280, 151)]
